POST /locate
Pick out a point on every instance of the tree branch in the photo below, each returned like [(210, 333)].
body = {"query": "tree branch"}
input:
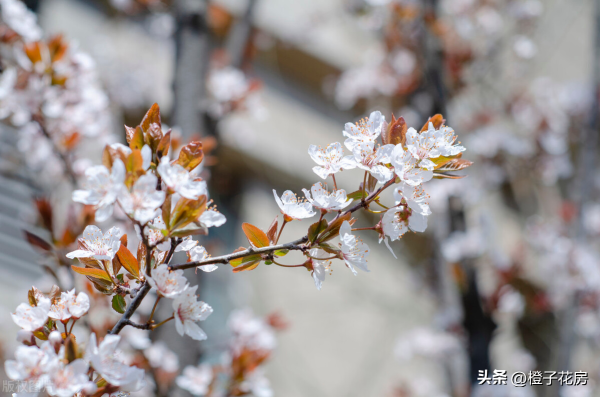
[(294, 245), (133, 306)]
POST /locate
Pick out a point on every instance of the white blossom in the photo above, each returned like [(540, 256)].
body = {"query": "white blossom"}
[(196, 379), (227, 84), (179, 180), (329, 160), (31, 363), (188, 311), (160, 356), (20, 19), (250, 332), (144, 201), (367, 130), (198, 254), (354, 250), (102, 188), (367, 157), (154, 232), (320, 266), (104, 359), (168, 283), (70, 306), (68, 380), (410, 213), (212, 218), (289, 206), (322, 199), (432, 143), (409, 169), (30, 318), (97, 246)]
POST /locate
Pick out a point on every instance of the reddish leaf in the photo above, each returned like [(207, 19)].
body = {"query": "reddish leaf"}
[(128, 261), (164, 145), (437, 121), (455, 165), (152, 116), (250, 266), (191, 155), (129, 134), (37, 241), (255, 236), (272, 231), (95, 273), (395, 133)]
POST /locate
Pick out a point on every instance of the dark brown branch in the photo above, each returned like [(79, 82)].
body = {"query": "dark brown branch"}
[(133, 306)]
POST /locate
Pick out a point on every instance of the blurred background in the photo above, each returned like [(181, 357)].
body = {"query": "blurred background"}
[(507, 275)]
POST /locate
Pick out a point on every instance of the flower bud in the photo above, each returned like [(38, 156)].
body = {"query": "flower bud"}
[(89, 389), (395, 133), (24, 336), (55, 338)]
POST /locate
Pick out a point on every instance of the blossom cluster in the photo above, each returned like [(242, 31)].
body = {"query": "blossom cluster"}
[(51, 93)]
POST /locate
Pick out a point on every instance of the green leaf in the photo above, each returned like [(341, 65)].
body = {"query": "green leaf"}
[(120, 278), (315, 229), (118, 304), (357, 195), (282, 252), (255, 236), (245, 259), (328, 248)]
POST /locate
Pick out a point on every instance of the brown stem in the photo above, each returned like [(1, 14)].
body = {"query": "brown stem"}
[(281, 230), (334, 182), (162, 322), (133, 306), (154, 308)]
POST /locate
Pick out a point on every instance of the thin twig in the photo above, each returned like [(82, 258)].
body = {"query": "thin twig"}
[(63, 157), (294, 245)]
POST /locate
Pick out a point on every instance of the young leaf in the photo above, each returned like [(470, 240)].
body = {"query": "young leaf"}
[(191, 155), (128, 261), (447, 176), (282, 252), (164, 145), (152, 116), (255, 236), (250, 266), (166, 210), (455, 165), (437, 121), (333, 229), (37, 241), (129, 133), (315, 229), (371, 183), (118, 304), (245, 259), (137, 140), (95, 273), (357, 195), (272, 231), (187, 211), (329, 248), (395, 133)]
